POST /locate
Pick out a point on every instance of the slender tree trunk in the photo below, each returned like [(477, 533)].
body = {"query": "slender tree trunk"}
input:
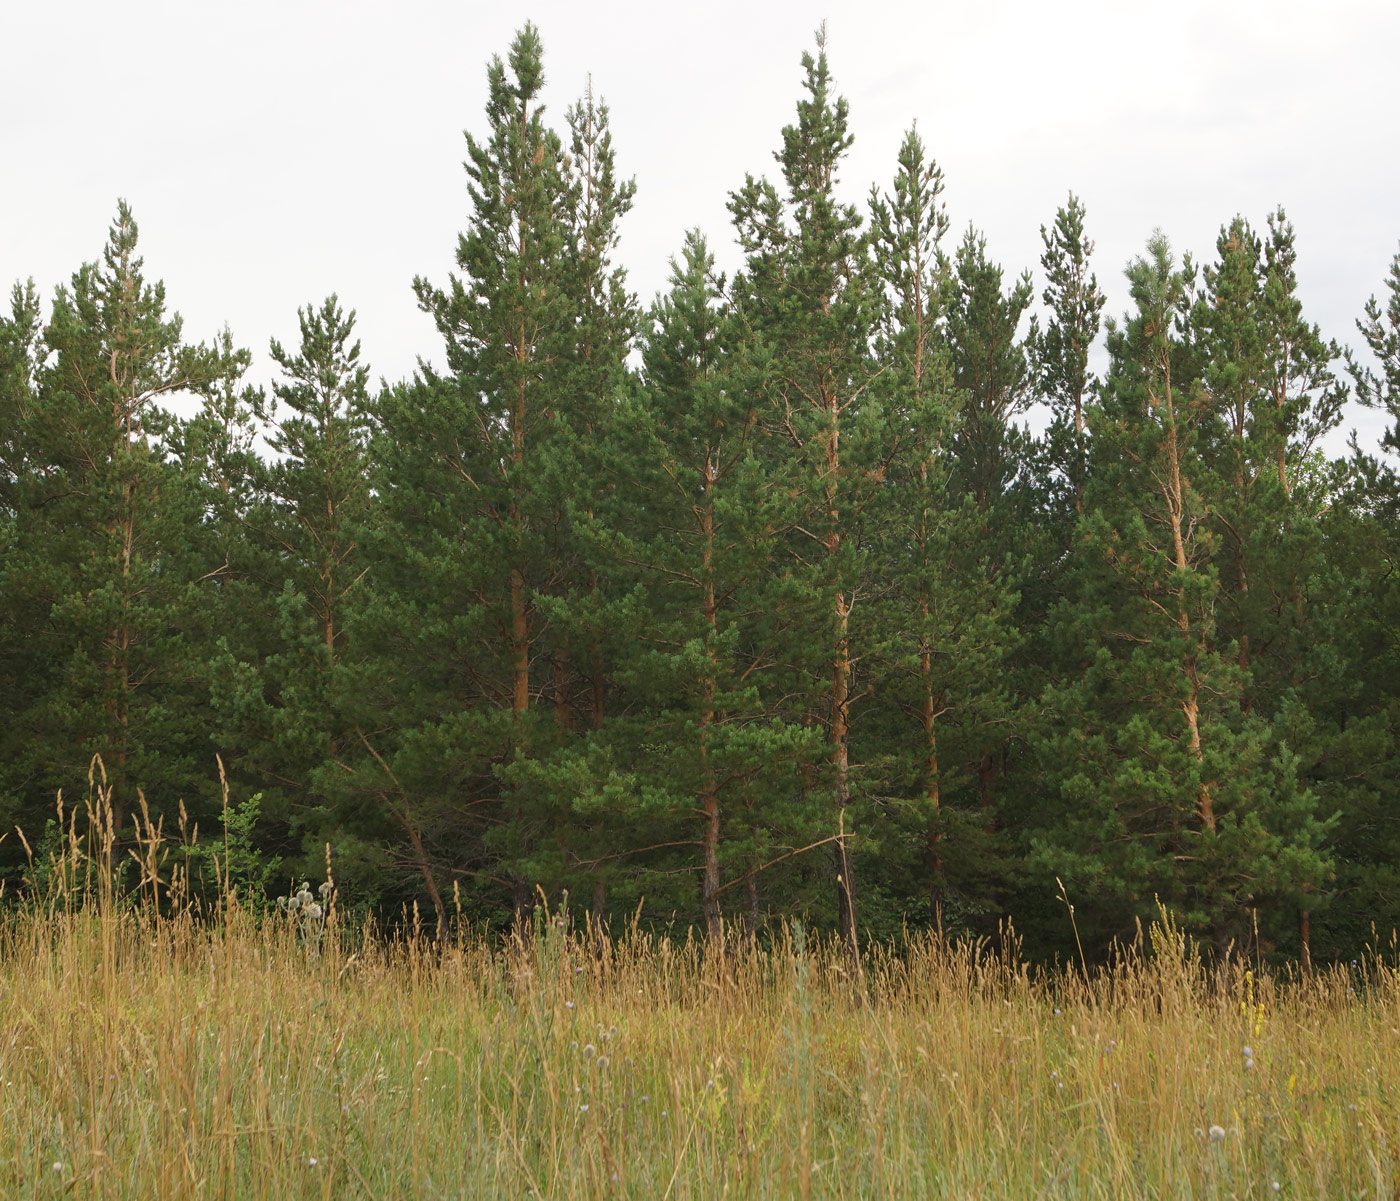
[(840, 697), (120, 655), (522, 894), (1081, 467), (709, 796), (932, 792), (1190, 705)]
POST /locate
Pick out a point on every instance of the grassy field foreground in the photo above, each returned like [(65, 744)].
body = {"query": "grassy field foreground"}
[(166, 1058)]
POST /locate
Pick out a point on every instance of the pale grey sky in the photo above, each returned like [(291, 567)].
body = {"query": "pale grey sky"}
[(277, 150)]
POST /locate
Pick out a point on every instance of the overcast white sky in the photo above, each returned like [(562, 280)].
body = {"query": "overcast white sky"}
[(277, 150)]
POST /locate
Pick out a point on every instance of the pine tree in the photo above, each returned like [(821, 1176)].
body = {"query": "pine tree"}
[(19, 351), (990, 456), (582, 614), (100, 554), (287, 711), (808, 292), (504, 321), (1268, 377), (20, 666), (990, 367), (1359, 774), (604, 326), (1060, 353), (470, 483), (1171, 787), (694, 520), (1381, 333), (944, 611)]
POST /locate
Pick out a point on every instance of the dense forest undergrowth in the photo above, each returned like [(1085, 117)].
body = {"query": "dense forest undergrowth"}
[(758, 604)]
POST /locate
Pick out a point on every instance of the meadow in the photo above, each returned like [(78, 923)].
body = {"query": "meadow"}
[(151, 1053)]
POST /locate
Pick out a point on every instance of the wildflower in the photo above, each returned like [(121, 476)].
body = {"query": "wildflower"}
[(589, 1050), (313, 910), (1247, 1052), (311, 1161), (58, 1167), (325, 890), (645, 1098), (583, 1108), (1274, 1186), (1248, 1063), (568, 1004), (1217, 1134), (602, 1063)]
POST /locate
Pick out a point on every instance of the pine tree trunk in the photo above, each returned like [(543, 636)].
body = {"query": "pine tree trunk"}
[(120, 657), (932, 790), (1082, 466), (709, 797), (1174, 495), (840, 698)]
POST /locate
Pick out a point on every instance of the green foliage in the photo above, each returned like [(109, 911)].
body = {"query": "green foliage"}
[(761, 602)]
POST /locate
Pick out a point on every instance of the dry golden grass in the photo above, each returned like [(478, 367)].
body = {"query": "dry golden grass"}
[(165, 1058), (168, 1057)]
